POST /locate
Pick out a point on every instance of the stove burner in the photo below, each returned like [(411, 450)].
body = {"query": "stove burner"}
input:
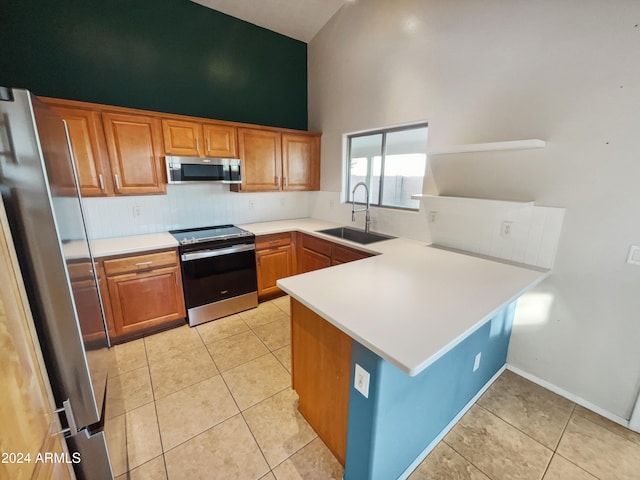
[(191, 236)]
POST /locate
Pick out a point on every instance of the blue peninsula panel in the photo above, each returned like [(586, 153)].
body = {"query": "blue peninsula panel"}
[(403, 415)]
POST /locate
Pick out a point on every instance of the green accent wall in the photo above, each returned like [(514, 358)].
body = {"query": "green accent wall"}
[(172, 56)]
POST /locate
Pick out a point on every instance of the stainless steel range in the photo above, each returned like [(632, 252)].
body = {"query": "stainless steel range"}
[(218, 271)]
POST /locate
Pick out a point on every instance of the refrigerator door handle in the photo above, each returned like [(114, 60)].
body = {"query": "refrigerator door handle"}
[(71, 421)]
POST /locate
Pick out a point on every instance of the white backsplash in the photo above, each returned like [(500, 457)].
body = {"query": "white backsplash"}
[(471, 225), (401, 223), (468, 224), (475, 225), (186, 206)]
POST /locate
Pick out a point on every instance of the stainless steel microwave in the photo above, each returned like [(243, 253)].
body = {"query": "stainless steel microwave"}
[(194, 169)]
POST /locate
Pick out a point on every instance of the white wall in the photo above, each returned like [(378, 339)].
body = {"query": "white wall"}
[(186, 206), (566, 72)]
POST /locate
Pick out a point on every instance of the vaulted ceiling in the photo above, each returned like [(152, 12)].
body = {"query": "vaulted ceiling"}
[(299, 19)]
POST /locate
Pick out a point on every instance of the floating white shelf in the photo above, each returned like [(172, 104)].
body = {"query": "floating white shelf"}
[(488, 147), (420, 196)]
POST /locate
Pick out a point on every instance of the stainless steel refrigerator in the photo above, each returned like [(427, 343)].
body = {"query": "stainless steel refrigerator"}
[(39, 188)]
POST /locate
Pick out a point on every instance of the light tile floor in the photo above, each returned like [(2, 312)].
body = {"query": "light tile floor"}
[(215, 402)]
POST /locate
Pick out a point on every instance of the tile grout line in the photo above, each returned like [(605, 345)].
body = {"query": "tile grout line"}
[(219, 372), (552, 450), (573, 412), (462, 456), (155, 409), (515, 428), (564, 429)]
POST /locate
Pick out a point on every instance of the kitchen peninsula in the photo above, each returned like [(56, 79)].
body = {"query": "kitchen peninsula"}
[(427, 330), (430, 327)]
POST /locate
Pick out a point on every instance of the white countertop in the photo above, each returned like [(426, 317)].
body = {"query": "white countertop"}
[(411, 304), (104, 247)]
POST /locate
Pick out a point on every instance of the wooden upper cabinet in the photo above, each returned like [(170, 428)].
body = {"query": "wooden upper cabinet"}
[(135, 150), (220, 140), (89, 150), (181, 138), (300, 162), (260, 152), (120, 151), (199, 139)]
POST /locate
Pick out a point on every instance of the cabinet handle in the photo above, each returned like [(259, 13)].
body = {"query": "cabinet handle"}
[(286, 182), (197, 144), (140, 264), (208, 147), (175, 277), (115, 175), (101, 181)]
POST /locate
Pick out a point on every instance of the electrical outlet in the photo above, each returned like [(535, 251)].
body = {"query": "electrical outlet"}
[(432, 216), (361, 381), (506, 229), (252, 205), (476, 362), (137, 211)]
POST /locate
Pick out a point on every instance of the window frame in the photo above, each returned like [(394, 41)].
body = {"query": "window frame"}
[(383, 147)]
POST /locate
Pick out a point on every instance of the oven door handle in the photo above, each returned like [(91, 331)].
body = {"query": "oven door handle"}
[(187, 257)]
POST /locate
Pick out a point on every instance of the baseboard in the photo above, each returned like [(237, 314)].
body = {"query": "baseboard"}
[(574, 398), (449, 426)]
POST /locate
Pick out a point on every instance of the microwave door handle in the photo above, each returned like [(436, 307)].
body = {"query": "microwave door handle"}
[(187, 257)]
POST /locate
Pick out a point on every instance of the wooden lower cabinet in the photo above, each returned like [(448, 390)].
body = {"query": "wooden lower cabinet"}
[(275, 260), (311, 260), (144, 293), (315, 253), (341, 254), (321, 371)]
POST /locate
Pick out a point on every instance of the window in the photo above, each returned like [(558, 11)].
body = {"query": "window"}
[(391, 163)]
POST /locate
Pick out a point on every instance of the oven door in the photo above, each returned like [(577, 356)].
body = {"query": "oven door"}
[(216, 274)]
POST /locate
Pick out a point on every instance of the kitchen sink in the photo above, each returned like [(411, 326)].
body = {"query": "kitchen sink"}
[(355, 235)]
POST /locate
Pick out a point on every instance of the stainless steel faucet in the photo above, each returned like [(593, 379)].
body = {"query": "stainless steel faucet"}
[(367, 219)]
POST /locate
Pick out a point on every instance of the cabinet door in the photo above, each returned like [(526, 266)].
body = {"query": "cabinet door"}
[(182, 138), (342, 254), (220, 141), (321, 367), (143, 300), (89, 150), (273, 264), (300, 162), (134, 143), (311, 260), (260, 152)]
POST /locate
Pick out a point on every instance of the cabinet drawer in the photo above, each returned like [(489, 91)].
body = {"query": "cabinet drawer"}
[(317, 245), (140, 262), (273, 240), (345, 254)]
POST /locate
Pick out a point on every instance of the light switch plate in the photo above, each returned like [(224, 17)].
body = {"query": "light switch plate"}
[(634, 255), (361, 381)]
